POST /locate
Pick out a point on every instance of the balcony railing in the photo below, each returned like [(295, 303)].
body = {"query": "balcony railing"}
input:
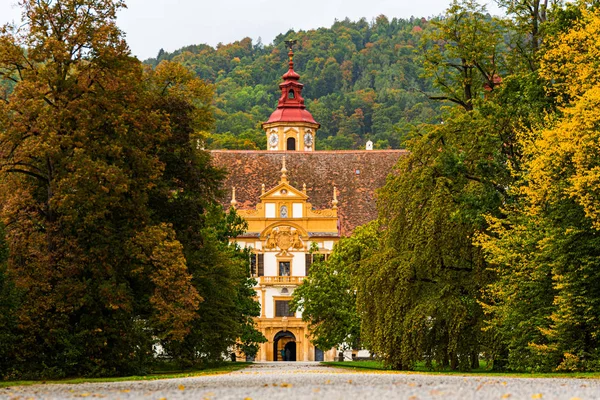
[(280, 280)]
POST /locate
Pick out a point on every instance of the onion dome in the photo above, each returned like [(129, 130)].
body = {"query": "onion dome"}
[(290, 107)]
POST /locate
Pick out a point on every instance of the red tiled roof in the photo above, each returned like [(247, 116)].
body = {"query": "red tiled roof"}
[(291, 115), (355, 173)]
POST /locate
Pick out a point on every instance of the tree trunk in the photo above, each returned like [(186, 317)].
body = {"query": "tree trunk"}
[(453, 361), (474, 360)]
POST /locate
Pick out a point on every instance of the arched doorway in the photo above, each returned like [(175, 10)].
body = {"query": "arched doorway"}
[(291, 143), (284, 346)]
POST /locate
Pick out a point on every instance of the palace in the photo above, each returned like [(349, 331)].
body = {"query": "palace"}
[(295, 199)]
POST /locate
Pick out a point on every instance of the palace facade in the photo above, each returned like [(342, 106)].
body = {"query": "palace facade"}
[(295, 199)]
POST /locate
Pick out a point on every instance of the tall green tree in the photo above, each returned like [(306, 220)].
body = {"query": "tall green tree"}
[(327, 298), (420, 295), (463, 53)]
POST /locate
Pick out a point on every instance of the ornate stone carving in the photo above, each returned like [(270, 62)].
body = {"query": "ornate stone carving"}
[(284, 238), (251, 212), (321, 213)]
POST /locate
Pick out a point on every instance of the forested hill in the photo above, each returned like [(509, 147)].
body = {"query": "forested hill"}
[(362, 81)]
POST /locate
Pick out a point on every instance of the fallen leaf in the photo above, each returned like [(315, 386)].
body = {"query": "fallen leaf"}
[(125, 391), (506, 396), (247, 398), (181, 387), (536, 396), (349, 380), (316, 390), (285, 385)]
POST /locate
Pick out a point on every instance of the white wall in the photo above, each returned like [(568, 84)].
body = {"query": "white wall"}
[(272, 266)]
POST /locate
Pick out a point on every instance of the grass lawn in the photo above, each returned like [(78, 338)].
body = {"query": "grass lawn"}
[(370, 366), (225, 368)]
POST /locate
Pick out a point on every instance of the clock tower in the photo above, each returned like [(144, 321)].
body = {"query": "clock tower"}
[(291, 127)]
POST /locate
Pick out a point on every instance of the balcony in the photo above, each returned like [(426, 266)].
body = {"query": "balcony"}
[(280, 280)]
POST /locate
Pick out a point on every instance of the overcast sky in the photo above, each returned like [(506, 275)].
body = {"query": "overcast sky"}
[(150, 25)]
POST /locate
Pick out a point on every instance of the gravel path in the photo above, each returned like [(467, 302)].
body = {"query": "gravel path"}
[(313, 381)]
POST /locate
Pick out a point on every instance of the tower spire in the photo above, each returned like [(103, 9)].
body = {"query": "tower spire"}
[(291, 126), (290, 45)]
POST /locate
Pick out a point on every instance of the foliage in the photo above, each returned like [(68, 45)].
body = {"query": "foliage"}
[(362, 81), (106, 200), (221, 274), (327, 298), (420, 295), (463, 53), (545, 303)]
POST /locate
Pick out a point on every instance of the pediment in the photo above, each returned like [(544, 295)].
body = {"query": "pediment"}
[(284, 191)]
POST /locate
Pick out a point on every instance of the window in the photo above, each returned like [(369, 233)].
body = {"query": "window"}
[(283, 212), (308, 260), (257, 264), (291, 143), (284, 268), (261, 264), (282, 309), (253, 269), (291, 94)]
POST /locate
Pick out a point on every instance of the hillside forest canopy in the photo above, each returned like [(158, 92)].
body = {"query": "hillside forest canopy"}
[(363, 81)]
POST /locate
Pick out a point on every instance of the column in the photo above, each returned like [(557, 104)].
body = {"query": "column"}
[(307, 356), (262, 302)]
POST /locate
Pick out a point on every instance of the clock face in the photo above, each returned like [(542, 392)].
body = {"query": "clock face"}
[(308, 139), (273, 139)]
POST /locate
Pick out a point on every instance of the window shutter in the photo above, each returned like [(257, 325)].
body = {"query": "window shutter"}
[(261, 265), (307, 263), (253, 270)]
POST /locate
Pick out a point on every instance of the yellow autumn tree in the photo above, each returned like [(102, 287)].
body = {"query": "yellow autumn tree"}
[(546, 301), (571, 59)]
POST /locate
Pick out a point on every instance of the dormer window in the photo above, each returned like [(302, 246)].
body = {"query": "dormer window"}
[(291, 94)]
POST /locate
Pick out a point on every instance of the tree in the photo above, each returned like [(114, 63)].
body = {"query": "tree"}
[(9, 300), (418, 295), (83, 140), (221, 274), (463, 54), (546, 246), (327, 298)]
